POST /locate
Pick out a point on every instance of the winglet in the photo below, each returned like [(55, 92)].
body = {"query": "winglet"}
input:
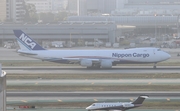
[(25, 42)]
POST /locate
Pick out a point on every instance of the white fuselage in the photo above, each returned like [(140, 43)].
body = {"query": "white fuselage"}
[(111, 106), (122, 106), (89, 58), (136, 55)]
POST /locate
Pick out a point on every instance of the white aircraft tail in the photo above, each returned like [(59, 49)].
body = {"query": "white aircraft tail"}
[(140, 99)]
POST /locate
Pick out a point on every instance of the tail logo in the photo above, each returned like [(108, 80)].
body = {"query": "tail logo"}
[(27, 41)]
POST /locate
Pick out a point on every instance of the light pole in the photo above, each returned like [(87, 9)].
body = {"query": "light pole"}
[(155, 27), (178, 26), (2, 90)]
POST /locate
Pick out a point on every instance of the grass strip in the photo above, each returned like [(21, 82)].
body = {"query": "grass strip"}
[(61, 88), (146, 105), (13, 76)]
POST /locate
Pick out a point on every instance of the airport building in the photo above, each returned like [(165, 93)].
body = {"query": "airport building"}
[(120, 4), (72, 6), (105, 28), (128, 7), (95, 7), (91, 7), (41, 5), (2, 10), (58, 5), (65, 31), (82, 7), (146, 7), (95, 26), (15, 10)]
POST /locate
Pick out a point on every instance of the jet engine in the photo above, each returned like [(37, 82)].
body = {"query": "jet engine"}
[(85, 62), (106, 64)]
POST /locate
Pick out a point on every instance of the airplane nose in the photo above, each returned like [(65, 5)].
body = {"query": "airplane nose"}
[(167, 56), (87, 108)]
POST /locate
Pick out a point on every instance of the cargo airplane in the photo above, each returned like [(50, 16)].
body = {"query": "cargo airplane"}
[(89, 58), (117, 106)]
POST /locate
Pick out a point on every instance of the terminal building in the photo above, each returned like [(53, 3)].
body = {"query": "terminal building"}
[(85, 28), (41, 5), (3, 10), (127, 7), (91, 24), (15, 10), (65, 31)]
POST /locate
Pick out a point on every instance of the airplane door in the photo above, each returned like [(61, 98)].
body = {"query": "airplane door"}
[(154, 51)]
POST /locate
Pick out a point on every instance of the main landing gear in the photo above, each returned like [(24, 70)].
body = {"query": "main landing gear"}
[(154, 67), (95, 66)]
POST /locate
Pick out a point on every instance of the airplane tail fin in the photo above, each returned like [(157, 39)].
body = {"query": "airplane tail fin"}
[(25, 42), (140, 99)]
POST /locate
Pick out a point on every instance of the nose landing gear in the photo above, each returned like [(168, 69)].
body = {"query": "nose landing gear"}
[(154, 67)]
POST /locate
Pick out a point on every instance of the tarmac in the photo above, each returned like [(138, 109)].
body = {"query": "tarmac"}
[(10, 55)]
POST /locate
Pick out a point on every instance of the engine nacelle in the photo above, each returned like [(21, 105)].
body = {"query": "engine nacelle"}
[(85, 62), (127, 105), (106, 64)]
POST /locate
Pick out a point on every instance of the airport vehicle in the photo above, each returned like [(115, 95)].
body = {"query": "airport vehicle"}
[(89, 58), (120, 106)]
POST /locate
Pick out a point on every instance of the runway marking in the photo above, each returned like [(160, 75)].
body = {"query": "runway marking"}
[(131, 99), (24, 101), (95, 100), (149, 83), (36, 83), (59, 100), (168, 99), (92, 83), (13, 100)]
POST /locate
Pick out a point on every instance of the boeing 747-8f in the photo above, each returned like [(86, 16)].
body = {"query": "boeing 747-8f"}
[(90, 58), (117, 106)]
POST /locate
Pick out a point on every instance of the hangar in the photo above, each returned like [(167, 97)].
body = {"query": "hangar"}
[(106, 28)]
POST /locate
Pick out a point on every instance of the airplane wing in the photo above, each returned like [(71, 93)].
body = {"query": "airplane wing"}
[(69, 59), (79, 59)]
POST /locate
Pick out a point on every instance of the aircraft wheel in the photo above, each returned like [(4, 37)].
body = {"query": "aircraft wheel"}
[(97, 67), (154, 66), (90, 67)]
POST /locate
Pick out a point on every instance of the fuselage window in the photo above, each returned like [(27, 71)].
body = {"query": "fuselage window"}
[(158, 49)]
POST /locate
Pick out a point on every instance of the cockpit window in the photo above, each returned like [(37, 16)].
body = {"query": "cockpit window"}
[(158, 49), (93, 105)]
